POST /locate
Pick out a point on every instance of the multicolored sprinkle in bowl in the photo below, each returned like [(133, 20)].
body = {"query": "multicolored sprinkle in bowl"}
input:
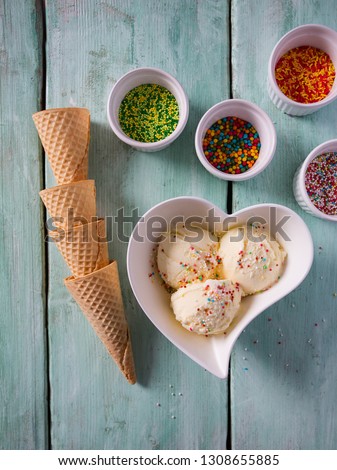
[(315, 182), (235, 140)]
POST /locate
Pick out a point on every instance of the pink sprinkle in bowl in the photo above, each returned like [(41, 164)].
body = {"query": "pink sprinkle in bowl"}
[(299, 188)]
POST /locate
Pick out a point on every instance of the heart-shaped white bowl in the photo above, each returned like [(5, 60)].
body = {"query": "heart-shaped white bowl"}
[(212, 352)]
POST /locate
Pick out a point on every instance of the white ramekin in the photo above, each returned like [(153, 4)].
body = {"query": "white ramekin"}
[(314, 35), (300, 192), (142, 76), (249, 112)]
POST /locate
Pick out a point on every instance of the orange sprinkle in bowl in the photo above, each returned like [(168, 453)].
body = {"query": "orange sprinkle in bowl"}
[(305, 74), (302, 69)]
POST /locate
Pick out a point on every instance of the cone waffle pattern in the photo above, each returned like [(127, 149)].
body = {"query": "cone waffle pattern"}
[(84, 248), (65, 134), (74, 201), (72, 205), (99, 297)]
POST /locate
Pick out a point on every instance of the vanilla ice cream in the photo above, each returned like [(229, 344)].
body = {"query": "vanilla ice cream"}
[(184, 257), (251, 258), (207, 308)]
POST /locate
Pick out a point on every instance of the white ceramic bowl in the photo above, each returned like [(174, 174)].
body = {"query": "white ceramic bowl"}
[(142, 76), (300, 192), (314, 35), (212, 353), (249, 112)]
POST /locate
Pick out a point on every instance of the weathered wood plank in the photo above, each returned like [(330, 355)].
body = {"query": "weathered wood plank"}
[(286, 398), (90, 45), (23, 411)]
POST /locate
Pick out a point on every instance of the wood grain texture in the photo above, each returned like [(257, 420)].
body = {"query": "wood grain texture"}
[(175, 404), (286, 398), (23, 378)]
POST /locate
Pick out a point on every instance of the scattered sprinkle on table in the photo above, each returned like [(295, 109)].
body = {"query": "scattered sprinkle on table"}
[(148, 113), (321, 182), (232, 145), (305, 74)]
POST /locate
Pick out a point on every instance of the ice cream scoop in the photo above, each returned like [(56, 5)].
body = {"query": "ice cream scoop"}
[(184, 257), (207, 308), (251, 258)]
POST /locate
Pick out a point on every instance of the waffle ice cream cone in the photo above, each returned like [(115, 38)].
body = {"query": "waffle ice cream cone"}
[(99, 296), (84, 247), (71, 204), (65, 134)]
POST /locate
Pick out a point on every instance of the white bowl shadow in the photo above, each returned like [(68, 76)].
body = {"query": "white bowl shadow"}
[(213, 352)]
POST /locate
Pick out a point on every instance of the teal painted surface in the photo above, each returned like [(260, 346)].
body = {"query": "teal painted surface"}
[(89, 46), (286, 399), (23, 358)]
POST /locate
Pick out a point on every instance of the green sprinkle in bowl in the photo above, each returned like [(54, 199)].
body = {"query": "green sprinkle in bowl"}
[(137, 78)]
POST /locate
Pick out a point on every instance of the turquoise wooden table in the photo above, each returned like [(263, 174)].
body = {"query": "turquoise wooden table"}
[(59, 388)]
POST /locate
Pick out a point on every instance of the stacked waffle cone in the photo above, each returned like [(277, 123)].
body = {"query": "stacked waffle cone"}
[(79, 235)]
